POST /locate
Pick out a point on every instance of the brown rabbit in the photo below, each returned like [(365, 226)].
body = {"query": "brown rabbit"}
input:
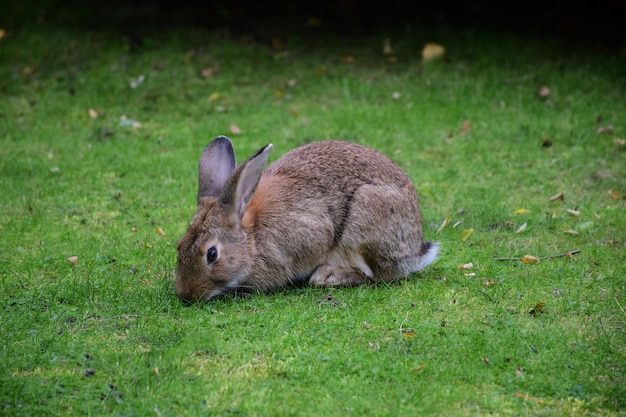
[(333, 213)]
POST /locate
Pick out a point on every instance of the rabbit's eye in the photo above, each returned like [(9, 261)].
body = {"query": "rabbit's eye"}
[(211, 254)]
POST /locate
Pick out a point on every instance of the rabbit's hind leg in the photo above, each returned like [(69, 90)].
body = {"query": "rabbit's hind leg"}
[(337, 276), (384, 224)]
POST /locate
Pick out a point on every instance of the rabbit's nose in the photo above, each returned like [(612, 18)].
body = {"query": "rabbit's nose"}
[(184, 292)]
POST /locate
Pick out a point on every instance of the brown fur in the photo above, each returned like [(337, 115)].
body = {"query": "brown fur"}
[(334, 213)]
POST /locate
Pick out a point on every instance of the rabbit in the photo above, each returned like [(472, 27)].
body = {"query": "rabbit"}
[(332, 213)]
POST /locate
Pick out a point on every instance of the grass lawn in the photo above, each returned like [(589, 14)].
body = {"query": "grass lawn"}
[(99, 142)]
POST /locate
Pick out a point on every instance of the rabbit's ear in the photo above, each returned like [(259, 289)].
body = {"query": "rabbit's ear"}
[(216, 164), (244, 180)]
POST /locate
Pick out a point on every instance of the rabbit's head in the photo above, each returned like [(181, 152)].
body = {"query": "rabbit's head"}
[(213, 256)]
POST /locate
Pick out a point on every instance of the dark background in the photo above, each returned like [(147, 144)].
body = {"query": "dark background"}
[(601, 22)]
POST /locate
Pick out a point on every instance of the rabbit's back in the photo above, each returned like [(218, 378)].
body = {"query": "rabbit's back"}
[(341, 165)]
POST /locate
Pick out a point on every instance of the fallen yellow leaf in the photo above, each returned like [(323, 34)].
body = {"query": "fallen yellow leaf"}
[(529, 259), (160, 231), (214, 97), (465, 234), (521, 211), (444, 224), (432, 51)]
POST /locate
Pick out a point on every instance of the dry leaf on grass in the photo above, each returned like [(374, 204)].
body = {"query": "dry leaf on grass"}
[(613, 195), (125, 121), (573, 212), (387, 49), (466, 126), (159, 231), (214, 97), (529, 259), (468, 265), (465, 234), (92, 113), (30, 70), (521, 211), (208, 72), (73, 259), (543, 91), (605, 129), (444, 224), (234, 129), (277, 43), (432, 51), (537, 309), (556, 197)]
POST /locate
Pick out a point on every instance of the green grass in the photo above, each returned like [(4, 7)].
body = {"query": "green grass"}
[(107, 335)]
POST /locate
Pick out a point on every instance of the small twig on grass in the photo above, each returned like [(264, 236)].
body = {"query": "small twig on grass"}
[(534, 399), (541, 259)]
